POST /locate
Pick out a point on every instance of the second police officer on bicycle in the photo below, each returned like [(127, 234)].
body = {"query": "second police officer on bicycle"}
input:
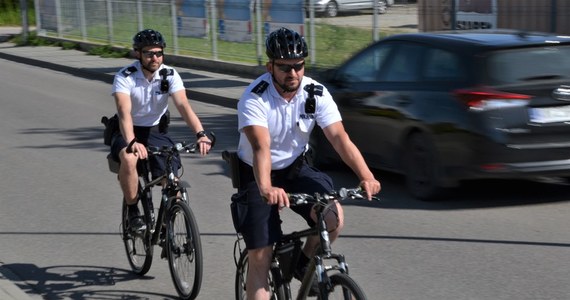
[(141, 91), (276, 115)]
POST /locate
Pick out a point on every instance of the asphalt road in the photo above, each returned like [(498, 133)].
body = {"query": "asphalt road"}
[(60, 210)]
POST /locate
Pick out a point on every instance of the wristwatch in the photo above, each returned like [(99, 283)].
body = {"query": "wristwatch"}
[(201, 134)]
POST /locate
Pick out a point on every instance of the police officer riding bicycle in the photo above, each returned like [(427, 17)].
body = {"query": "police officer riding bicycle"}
[(141, 91), (276, 114)]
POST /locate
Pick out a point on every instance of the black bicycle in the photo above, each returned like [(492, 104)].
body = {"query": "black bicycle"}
[(329, 269), (174, 229)]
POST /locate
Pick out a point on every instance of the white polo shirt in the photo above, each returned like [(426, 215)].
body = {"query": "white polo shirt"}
[(149, 103), (289, 126)]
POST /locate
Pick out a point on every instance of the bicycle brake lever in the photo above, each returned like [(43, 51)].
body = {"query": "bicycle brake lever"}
[(350, 193), (298, 199), (191, 148), (358, 193)]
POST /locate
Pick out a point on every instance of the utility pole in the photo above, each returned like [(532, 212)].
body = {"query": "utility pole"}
[(25, 29)]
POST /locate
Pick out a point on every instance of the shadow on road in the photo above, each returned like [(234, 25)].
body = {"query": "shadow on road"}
[(77, 282), (475, 194)]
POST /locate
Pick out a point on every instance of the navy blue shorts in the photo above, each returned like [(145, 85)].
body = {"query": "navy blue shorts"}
[(148, 136), (262, 224)]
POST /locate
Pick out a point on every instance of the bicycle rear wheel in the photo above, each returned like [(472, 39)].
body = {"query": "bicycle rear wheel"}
[(277, 291), (184, 250), (241, 276), (137, 244), (343, 287)]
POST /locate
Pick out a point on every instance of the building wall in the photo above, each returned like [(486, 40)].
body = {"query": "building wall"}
[(530, 15)]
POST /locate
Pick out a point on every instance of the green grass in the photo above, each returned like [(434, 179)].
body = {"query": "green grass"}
[(10, 18), (109, 52), (33, 40), (13, 17)]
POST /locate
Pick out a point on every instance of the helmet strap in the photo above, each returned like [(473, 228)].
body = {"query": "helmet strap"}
[(283, 88)]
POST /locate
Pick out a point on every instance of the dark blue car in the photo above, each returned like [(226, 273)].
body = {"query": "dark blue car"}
[(445, 107)]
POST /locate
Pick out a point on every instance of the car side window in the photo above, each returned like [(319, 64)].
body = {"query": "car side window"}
[(366, 66), (442, 65), (520, 65), (404, 64)]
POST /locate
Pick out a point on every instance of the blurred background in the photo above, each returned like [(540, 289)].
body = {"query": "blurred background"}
[(234, 30)]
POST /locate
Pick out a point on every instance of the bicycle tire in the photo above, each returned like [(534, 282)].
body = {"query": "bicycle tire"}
[(184, 250), (343, 287), (137, 245), (241, 275), (276, 292)]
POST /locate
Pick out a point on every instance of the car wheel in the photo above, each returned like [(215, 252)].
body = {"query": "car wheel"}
[(331, 10), (422, 170)]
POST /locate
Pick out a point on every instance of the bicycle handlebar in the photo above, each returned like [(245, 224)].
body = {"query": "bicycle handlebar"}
[(185, 146), (324, 198)]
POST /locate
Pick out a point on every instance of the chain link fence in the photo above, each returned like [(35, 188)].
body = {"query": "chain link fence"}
[(114, 22)]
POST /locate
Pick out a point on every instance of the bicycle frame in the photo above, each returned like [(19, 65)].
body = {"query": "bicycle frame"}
[(170, 190), (324, 252)]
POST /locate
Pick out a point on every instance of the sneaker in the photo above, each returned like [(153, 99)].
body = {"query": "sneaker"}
[(136, 222), (299, 273)]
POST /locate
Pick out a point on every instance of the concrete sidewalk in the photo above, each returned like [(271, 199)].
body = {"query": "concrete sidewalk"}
[(205, 81), (216, 82)]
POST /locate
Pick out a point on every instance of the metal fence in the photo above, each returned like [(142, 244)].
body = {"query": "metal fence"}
[(114, 22)]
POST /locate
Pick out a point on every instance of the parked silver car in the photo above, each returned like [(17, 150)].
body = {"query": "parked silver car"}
[(331, 8)]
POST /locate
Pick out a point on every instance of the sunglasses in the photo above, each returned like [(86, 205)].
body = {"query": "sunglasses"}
[(287, 68), (150, 54)]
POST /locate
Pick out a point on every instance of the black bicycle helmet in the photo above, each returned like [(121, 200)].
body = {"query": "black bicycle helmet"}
[(148, 37), (285, 43)]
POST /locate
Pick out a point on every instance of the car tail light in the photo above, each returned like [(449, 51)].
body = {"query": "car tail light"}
[(492, 167), (486, 99)]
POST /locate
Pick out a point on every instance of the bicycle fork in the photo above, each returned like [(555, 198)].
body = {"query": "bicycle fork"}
[(317, 266), (177, 247)]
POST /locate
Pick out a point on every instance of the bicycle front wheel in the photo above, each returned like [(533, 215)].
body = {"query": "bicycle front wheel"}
[(137, 244), (184, 250), (343, 287)]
